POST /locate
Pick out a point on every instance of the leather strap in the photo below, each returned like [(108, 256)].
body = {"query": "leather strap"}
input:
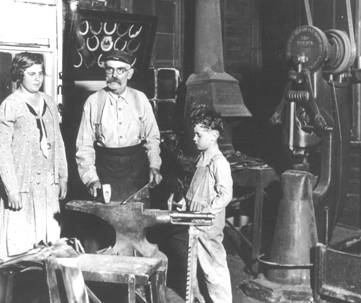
[(308, 12), (102, 97)]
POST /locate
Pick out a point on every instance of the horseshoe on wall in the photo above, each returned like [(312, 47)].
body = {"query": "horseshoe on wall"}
[(92, 49), (125, 45), (136, 33), (96, 32), (83, 33), (109, 32), (100, 62), (80, 61), (133, 50), (116, 43), (106, 44), (124, 33)]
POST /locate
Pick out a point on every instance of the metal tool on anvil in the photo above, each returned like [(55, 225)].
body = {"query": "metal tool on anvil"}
[(139, 196)]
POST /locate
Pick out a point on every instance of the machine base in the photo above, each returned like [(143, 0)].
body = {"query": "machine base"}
[(266, 291)]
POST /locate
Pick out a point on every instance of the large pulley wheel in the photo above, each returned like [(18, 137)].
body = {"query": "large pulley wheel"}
[(342, 52), (307, 45)]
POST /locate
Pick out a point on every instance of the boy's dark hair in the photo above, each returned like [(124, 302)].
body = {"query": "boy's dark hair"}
[(207, 118)]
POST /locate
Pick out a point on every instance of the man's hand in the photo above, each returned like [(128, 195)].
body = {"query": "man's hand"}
[(93, 188), (63, 189), (14, 201), (154, 177)]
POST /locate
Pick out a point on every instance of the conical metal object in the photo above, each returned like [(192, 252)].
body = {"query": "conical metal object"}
[(295, 231), (288, 265)]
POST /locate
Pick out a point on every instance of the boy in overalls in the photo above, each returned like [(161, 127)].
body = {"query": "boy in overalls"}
[(211, 191)]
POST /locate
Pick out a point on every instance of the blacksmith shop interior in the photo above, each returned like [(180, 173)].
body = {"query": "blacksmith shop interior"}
[(180, 151)]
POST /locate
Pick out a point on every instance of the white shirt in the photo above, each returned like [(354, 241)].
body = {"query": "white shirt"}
[(212, 180), (126, 120)]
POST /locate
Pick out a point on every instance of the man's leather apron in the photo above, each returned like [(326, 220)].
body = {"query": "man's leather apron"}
[(124, 168)]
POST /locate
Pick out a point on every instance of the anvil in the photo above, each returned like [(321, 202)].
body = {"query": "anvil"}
[(130, 221)]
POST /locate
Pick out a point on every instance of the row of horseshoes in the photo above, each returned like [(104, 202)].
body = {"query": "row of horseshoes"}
[(131, 31), (106, 44), (99, 61)]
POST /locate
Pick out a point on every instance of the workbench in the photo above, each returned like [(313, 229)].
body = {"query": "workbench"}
[(258, 177)]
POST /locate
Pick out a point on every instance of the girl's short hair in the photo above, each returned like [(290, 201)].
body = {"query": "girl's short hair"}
[(207, 118), (21, 62)]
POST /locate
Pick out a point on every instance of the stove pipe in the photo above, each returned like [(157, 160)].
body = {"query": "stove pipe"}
[(210, 85)]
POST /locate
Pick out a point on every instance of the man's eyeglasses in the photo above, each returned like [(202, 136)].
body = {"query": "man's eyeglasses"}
[(118, 71)]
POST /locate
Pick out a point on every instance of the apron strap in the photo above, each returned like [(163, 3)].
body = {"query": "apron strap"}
[(102, 97)]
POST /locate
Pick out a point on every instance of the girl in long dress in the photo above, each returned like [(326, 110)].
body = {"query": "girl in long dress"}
[(33, 167)]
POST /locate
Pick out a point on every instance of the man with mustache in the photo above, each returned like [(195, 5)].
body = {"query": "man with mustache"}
[(118, 138)]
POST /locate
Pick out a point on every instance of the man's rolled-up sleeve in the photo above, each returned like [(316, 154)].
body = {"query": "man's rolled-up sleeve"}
[(152, 137), (85, 153)]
